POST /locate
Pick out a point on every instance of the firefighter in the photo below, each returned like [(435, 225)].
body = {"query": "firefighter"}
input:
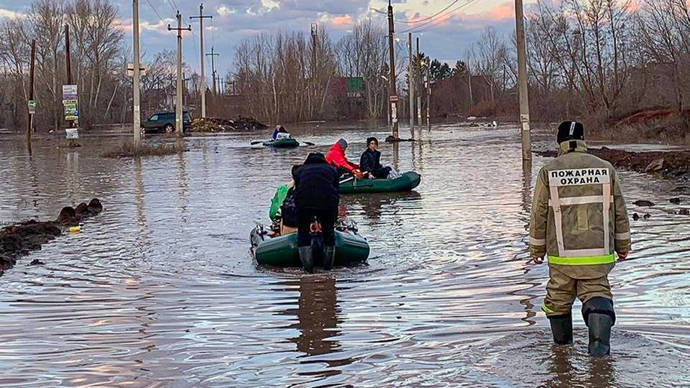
[(578, 221)]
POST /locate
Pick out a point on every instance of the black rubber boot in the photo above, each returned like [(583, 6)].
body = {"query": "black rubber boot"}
[(328, 257), (562, 328), (599, 317), (307, 258)]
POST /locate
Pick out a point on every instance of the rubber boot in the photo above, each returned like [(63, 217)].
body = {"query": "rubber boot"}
[(562, 328), (599, 317), (599, 334), (307, 259), (328, 257)]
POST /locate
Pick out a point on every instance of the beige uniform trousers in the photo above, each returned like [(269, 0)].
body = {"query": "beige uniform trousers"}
[(561, 291)]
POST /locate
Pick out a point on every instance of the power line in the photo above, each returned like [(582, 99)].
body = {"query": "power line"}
[(422, 19), (416, 28), (155, 11)]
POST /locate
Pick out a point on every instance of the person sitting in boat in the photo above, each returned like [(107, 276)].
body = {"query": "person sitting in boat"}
[(283, 206), (280, 133), (370, 162), (336, 158), (316, 195)]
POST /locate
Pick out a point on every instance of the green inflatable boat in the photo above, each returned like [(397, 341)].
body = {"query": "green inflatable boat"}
[(350, 248), (282, 143), (405, 182)]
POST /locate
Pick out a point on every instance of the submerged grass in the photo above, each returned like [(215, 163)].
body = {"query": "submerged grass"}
[(127, 150)]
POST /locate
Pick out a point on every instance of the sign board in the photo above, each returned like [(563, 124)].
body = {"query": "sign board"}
[(71, 133), (70, 103), (32, 107), (69, 92), (394, 98)]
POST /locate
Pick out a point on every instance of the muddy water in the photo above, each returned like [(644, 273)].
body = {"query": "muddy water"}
[(160, 290)]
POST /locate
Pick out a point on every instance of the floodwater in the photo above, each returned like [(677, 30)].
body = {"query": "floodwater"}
[(160, 288)]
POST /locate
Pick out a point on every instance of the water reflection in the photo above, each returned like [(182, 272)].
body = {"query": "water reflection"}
[(318, 315)]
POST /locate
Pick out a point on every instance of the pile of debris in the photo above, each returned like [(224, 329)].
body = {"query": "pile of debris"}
[(19, 239), (214, 124)]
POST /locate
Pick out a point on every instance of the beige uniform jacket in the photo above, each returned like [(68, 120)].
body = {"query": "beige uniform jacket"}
[(578, 214)]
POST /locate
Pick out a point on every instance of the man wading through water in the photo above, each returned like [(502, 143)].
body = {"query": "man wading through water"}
[(578, 220)]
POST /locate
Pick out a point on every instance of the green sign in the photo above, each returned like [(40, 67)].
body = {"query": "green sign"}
[(32, 107), (355, 85)]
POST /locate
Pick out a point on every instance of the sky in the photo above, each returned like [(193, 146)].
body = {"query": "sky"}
[(446, 37)]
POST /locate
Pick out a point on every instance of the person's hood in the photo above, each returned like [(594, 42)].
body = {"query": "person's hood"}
[(337, 148), (567, 146), (315, 158)]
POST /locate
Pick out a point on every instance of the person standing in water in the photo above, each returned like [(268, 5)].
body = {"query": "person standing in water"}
[(579, 220)]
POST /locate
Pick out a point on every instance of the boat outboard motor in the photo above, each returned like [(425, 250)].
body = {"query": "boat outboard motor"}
[(599, 317)]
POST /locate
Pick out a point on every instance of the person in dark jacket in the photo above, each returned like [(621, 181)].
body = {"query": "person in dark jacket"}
[(316, 195), (370, 161)]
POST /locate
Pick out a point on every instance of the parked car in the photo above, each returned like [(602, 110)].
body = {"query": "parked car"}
[(165, 122)]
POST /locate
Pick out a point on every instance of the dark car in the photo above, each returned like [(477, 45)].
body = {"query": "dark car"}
[(165, 122)]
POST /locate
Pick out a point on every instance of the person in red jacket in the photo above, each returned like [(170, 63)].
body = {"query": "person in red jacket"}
[(336, 158)]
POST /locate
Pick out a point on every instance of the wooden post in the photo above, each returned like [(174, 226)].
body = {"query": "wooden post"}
[(30, 117), (410, 82), (136, 93), (391, 77), (522, 81)]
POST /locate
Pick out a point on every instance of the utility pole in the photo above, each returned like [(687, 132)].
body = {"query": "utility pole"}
[(136, 94), (428, 94), (417, 69), (522, 82), (68, 64), (30, 118), (179, 124), (391, 77), (213, 54), (312, 95), (201, 18), (410, 82)]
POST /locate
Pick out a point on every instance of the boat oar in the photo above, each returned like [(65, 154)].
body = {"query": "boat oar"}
[(308, 143), (255, 142)]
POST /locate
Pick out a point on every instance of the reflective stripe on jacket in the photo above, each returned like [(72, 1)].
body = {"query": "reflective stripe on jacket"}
[(578, 216)]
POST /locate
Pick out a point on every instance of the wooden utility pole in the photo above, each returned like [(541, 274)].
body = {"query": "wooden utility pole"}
[(213, 54), (410, 82), (30, 117), (417, 69), (136, 94), (391, 77), (428, 94), (179, 123), (522, 82), (202, 88), (314, 40)]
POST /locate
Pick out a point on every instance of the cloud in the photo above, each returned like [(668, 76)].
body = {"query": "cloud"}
[(225, 11), (6, 13)]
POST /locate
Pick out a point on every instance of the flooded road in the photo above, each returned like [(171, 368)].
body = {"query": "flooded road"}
[(160, 289)]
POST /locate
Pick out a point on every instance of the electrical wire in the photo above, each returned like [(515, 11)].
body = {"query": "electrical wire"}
[(452, 3), (155, 11), (417, 28)]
